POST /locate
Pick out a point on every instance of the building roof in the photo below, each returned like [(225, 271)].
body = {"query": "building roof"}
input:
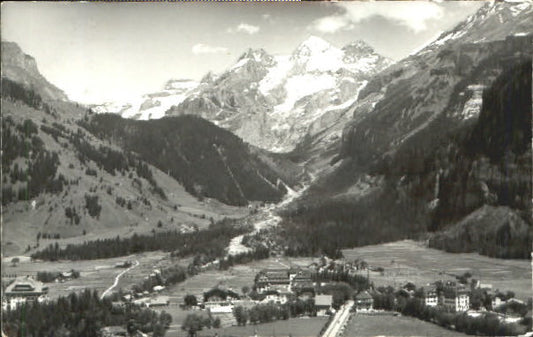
[(364, 295), (24, 285), (323, 300)]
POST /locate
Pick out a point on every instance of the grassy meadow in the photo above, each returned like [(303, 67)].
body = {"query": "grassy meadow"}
[(410, 261)]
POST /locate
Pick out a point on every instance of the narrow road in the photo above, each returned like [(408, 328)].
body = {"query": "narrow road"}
[(339, 320), (117, 278)]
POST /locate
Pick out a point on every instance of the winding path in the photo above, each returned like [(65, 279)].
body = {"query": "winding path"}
[(117, 278)]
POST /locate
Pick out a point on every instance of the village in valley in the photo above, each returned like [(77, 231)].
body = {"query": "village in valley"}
[(335, 292), (340, 169)]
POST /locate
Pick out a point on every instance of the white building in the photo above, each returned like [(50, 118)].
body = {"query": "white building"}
[(459, 301), (430, 298)]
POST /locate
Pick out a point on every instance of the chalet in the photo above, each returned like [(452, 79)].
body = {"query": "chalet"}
[(272, 279), (301, 281), (277, 297), (323, 304), (159, 301), (431, 298), (26, 288), (363, 301)]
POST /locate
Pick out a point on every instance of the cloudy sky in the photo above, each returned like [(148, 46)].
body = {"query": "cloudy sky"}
[(100, 52)]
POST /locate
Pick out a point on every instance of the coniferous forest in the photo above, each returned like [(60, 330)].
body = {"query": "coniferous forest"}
[(80, 315)]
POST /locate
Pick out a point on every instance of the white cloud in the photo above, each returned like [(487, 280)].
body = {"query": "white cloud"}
[(412, 14), (244, 28), (201, 48), (332, 24)]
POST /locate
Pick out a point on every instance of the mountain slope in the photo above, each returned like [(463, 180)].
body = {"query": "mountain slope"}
[(207, 160), (62, 184), (22, 68), (275, 101), (410, 160)]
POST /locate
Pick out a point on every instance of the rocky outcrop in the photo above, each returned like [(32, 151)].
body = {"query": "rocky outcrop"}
[(442, 133), (274, 102), (22, 68)]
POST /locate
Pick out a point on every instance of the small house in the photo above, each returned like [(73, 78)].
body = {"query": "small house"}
[(363, 301), (323, 304), (159, 301)]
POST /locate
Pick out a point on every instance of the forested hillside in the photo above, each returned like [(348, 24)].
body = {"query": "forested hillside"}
[(207, 160), (60, 182), (433, 179)]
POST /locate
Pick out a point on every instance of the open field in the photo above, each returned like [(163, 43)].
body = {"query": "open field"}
[(368, 326), (408, 260), (94, 274), (234, 278), (295, 327)]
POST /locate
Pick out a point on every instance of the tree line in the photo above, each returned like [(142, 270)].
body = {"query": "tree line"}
[(80, 315), (487, 324), (211, 242)]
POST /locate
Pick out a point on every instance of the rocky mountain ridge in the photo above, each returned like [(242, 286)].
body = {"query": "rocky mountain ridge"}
[(23, 69), (408, 163), (274, 102)]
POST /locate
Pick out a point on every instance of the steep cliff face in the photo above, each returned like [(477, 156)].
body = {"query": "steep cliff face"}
[(432, 181), (275, 102), (443, 85), (22, 68), (432, 139), (493, 163)]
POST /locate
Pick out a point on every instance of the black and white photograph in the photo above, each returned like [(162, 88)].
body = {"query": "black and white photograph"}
[(266, 169)]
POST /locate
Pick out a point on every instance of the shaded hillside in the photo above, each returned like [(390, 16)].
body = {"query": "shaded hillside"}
[(493, 163), (432, 178), (207, 160), (492, 231)]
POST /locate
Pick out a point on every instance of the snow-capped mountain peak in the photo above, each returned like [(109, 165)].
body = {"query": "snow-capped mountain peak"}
[(313, 44), (273, 101), (490, 23), (258, 55), (315, 54), (358, 47)]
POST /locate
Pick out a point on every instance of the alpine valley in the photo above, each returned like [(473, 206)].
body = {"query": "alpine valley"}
[(414, 146), (321, 152)]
